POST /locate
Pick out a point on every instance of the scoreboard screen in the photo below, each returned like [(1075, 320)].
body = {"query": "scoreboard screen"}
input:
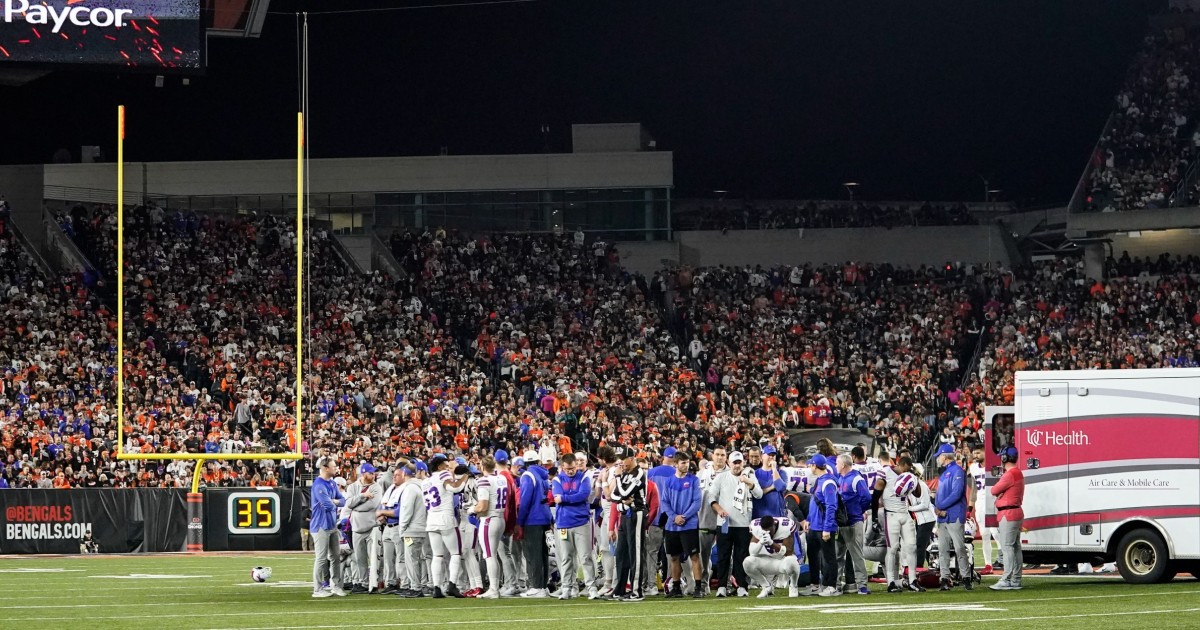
[(157, 35)]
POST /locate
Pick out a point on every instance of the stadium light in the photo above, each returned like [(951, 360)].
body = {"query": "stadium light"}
[(850, 186)]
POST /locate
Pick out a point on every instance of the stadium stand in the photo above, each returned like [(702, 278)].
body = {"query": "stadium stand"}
[(499, 341), (1153, 136)]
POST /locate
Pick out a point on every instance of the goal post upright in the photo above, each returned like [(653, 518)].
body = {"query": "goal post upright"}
[(120, 280)]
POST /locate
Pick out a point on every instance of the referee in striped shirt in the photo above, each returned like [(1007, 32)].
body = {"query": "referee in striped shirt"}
[(629, 501)]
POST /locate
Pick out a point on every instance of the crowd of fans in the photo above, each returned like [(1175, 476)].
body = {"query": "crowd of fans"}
[(503, 341), (1054, 318), (56, 389), (1153, 136), (731, 215), (873, 347)]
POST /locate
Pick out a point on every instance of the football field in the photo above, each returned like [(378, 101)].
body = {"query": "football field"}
[(215, 591)]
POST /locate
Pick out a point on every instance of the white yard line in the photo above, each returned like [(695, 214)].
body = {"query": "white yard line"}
[(996, 619), (510, 619)]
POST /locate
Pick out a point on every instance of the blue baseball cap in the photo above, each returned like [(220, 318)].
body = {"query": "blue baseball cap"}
[(670, 452), (365, 468), (501, 455), (769, 450), (421, 467), (460, 460), (474, 470), (518, 462), (945, 449), (819, 461)]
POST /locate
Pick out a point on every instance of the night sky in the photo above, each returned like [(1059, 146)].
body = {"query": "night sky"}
[(764, 98)]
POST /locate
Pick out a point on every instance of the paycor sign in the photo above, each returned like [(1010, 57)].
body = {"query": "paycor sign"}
[(101, 17)]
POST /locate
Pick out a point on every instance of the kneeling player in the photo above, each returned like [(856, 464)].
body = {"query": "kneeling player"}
[(771, 554)]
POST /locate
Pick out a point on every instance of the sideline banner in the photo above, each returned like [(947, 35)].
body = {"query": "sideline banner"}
[(119, 521)]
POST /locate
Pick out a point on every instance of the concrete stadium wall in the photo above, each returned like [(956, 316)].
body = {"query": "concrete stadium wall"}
[(1151, 243), (22, 187), (902, 246), (396, 174), (646, 257)]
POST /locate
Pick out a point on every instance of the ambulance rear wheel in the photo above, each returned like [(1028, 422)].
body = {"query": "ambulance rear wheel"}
[(1142, 557)]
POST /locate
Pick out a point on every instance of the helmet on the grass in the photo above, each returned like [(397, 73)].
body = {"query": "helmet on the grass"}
[(260, 574)]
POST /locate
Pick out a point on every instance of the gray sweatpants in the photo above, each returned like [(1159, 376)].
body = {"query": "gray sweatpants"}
[(574, 549), (950, 536), (850, 539), (414, 561), (328, 558), (366, 567), (654, 542), (608, 558), (395, 572), (707, 540), (1010, 550), (510, 550)]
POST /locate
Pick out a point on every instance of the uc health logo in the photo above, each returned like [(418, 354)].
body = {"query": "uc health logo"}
[(1039, 437)]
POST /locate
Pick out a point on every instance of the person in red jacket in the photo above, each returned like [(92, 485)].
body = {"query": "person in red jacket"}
[(1010, 493)]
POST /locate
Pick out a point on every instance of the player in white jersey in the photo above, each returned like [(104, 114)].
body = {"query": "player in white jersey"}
[(797, 475), (772, 554), (441, 523), (467, 528), (869, 467), (492, 498), (900, 532), (608, 553), (982, 496)]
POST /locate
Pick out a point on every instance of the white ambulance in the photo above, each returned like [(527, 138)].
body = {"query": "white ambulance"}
[(1111, 460)]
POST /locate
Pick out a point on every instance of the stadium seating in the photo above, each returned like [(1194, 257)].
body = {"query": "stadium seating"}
[(499, 341), (1153, 137)]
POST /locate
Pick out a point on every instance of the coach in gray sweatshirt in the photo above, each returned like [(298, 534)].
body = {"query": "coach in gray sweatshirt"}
[(362, 498), (412, 529)]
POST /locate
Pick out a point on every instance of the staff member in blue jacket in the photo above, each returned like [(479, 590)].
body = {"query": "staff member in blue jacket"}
[(773, 481), (856, 496), (533, 517), (324, 499), (681, 504), (822, 528), (950, 504), (572, 489)]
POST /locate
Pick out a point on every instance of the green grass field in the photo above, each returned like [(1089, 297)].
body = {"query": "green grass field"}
[(215, 591)]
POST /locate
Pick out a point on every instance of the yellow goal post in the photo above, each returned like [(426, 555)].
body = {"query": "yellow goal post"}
[(202, 457)]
